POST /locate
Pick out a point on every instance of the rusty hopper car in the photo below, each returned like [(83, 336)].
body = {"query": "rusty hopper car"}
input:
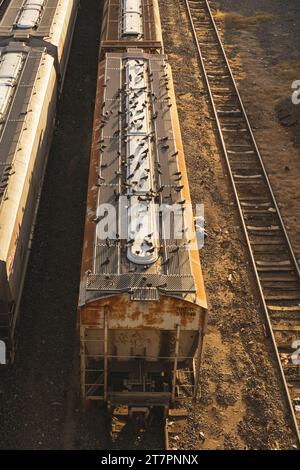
[(131, 23), (29, 80), (46, 23), (142, 304)]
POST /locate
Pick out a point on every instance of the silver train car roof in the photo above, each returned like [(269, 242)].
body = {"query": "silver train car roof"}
[(137, 156), (23, 19), (18, 65), (32, 21)]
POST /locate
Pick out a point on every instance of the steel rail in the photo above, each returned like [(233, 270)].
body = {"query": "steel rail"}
[(205, 5)]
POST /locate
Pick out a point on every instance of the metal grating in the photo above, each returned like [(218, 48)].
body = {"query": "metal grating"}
[(178, 261), (106, 259), (145, 293), (127, 282)]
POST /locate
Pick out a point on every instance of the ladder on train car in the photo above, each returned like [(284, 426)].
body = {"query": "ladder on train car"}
[(95, 390), (185, 383), (94, 379)]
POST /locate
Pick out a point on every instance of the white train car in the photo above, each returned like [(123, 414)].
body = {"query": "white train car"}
[(48, 23), (35, 40)]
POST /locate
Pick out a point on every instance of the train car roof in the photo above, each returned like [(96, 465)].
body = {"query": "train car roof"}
[(120, 264), (19, 66), (126, 22), (23, 19), (26, 20)]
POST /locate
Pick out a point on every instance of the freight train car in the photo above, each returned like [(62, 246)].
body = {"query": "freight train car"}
[(35, 40), (131, 23), (142, 304), (46, 23)]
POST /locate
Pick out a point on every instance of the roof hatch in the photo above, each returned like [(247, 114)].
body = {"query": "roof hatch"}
[(11, 64), (142, 217), (30, 14), (132, 24)]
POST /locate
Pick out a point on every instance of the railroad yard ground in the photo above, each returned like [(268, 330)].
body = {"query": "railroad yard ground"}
[(242, 404), (262, 40), (242, 400)]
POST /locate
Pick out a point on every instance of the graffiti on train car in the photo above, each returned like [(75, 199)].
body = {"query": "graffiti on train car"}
[(186, 311)]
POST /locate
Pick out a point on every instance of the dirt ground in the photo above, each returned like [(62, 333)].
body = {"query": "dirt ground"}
[(265, 59), (242, 404)]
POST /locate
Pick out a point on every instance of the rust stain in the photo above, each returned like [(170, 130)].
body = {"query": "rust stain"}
[(89, 233), (154, 314)]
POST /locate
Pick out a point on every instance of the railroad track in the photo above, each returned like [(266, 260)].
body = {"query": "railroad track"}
[(164, 426), (275, 266)]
